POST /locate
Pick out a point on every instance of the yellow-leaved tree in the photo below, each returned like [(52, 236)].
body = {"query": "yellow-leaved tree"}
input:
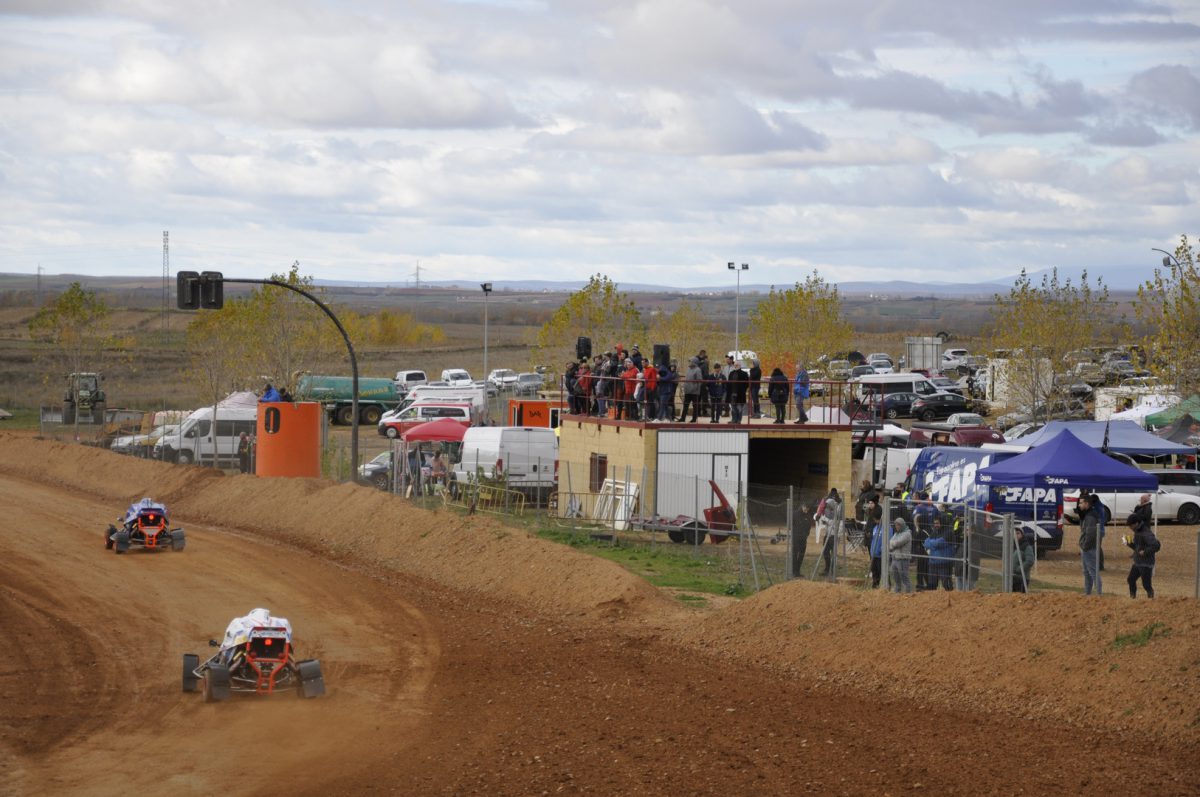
[(798, 325), (1169, 305), (598, 311), (687, 330), (1036, 325)]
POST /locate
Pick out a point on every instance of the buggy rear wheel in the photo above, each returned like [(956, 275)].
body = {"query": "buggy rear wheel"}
[(108, 537), (177, 540), (190, 662)]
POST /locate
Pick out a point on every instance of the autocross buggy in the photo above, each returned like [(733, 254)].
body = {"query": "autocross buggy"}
[(144, 524), (260, 664)]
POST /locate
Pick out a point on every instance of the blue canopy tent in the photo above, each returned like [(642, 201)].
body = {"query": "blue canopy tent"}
[(1067, 461), (1124, 437)]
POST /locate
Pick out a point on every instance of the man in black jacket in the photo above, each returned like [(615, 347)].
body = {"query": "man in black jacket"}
[(739, 383), (1089, 540), (755, 411)]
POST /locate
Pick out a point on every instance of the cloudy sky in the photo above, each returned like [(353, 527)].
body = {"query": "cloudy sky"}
[(650, 140)]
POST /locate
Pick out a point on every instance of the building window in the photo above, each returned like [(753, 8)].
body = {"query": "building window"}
[(597, 471)]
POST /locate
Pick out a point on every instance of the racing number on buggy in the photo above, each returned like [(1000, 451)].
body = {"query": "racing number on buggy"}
[(271, 420)]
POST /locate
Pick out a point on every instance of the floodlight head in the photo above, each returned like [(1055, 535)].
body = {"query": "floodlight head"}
[(1166, 262), (731, 267), (487, 287), (745, 266)]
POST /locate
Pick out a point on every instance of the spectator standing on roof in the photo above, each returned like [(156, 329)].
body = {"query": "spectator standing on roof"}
[(800, 391), (650, 377), (693, 388), (754, 410), (583, 388), (570, 384), (739, 384), (900, 552), (1089, 541), (702, 361), (269, 394), (667, 378), (627, 409), (1145, 545), (635, 354), (716, 394), (777, 391)]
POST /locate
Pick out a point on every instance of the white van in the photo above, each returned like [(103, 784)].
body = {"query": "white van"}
[(526, 455), (471, 394), (198, 441), (883, 384)]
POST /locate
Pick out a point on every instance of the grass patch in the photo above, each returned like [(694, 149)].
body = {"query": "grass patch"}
[(680, 569), (1141, 637), (23, 418)]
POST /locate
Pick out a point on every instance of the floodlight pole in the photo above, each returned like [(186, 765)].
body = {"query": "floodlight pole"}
[(487, 288), (737, 307)]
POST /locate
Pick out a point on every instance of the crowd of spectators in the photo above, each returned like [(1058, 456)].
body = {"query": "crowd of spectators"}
[(627, 385)]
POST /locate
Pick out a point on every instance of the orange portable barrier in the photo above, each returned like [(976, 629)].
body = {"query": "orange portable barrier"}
[(289, 439)]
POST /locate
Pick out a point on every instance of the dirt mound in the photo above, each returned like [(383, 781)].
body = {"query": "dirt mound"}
[(1126, 665), (348, 521)]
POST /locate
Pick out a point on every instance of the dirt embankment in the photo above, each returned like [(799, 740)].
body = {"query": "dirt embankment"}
[(1048, 655), (345, 521), (1124, 665)]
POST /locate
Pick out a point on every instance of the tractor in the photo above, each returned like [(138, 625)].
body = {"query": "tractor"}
[(84, 399)]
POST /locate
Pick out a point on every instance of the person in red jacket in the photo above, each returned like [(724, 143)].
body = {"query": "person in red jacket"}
[(650, 400), (629, 377)]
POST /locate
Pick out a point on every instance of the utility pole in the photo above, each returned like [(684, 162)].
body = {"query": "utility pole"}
[(39, 285), (166, 288), (417, 293)]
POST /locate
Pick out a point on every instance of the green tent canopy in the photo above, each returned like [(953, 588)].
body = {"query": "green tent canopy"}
[(1189, 406)]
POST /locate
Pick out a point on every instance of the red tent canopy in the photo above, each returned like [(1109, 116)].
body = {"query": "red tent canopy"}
[(443, 430)]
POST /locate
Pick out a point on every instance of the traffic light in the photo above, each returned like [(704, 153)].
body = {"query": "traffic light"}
[(212, 290), (187, 290)]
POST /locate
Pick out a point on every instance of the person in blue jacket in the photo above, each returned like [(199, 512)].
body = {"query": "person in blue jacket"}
[(270, 394), (941, 549), (800, 391)]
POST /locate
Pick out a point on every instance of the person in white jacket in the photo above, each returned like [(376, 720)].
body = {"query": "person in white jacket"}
[(900, 550), (238, 630)]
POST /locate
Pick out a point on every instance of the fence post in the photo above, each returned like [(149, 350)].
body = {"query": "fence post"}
[(791, 567), (885, 550), (1006, 559)]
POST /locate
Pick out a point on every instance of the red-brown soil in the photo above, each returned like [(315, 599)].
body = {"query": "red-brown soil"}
[(463, 657)]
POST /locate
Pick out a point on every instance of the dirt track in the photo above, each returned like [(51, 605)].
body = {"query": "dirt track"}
[(448, 690)]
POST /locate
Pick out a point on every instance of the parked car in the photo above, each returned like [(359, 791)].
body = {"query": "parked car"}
[(1168, 506), (1176, 480), (946, 385), (1117, 370), (502, 378), (952, 358), (1058, 409), (839, 369), (861, 370), (420, 413), (378, 471), (528, 384), (407, 380), (897, 405), (879, 357), (883, 368), (1089, 372), (1141, 381), (938, 405), (1022, 430), (966, 419), (457, 377), (1070, 385)]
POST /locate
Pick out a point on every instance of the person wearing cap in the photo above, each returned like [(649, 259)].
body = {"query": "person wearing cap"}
[(666, 392), (693, 387), (635, 354), (900, 551)]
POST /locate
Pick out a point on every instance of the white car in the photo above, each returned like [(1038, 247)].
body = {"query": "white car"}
[(131, 444), (953, 358), (503, 378), (457, 377), (1168, 506)]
